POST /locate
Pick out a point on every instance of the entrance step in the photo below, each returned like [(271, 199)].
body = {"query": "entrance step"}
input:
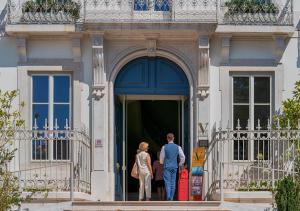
[(147, 206)]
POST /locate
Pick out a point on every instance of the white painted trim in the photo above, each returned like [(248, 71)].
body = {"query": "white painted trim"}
[(51, 104), (41, 68)]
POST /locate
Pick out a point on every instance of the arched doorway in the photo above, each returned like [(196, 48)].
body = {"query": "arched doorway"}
[(151, 99)]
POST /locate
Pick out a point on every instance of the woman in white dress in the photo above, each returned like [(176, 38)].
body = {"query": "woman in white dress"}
[(143, 161)]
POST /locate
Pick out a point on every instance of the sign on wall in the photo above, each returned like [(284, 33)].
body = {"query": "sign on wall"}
[(98, 143), (198, 161)]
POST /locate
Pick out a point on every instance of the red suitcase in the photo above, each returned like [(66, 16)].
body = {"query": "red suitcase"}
[(183, 185)]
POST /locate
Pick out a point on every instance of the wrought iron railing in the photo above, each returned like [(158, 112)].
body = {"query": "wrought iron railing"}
[(241, 12), (254, 160), (258, 12), (51, 160), (44, 11)]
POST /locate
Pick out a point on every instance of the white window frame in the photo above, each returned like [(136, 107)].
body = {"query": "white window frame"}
[(251, 104), (50, 111)]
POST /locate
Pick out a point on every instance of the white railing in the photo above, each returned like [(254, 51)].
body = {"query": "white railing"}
[(150, 10), (51, 160), (254, 159)]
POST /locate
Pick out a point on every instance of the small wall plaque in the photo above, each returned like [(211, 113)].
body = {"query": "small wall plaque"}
[(98, 143), (203, 143)]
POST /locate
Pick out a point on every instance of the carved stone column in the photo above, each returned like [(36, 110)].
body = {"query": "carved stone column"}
[(98, 66), (203, 71)]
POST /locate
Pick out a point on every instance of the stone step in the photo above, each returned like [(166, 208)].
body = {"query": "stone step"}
[(147, 206)]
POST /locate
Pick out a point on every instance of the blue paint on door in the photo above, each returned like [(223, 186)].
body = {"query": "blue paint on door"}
[(152, 76)]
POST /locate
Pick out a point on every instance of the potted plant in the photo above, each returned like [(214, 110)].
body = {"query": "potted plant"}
[(51, 8), (250, 10)]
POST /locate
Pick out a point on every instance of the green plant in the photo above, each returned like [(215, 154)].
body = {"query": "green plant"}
[(10, 193), (69, 7), (291, 110), (290, 116), (250, 6), (287, 195)]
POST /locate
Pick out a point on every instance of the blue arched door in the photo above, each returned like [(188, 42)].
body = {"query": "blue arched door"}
[(152, 76), (145, 76)]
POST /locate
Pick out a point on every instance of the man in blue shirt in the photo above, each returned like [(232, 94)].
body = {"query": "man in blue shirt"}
[(168, 157)]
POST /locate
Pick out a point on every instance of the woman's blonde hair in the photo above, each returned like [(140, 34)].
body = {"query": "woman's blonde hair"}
[(143, 146)]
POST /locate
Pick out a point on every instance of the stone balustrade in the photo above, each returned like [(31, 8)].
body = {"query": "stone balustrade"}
[(276, 12)]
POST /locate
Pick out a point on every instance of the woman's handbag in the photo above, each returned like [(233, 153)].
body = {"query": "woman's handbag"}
[(135, 171)]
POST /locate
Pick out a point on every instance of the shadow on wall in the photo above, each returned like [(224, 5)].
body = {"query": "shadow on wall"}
[(3, 15)]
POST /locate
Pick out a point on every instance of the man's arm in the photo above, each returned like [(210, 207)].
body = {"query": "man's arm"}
[(181, 156), (162, 155)]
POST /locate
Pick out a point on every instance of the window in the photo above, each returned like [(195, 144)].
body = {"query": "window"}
[(141, 5), (251, 110), (51, 109), (159, 5)]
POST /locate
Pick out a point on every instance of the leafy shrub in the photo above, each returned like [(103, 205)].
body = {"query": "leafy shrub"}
[(287, 195), (250, 6)]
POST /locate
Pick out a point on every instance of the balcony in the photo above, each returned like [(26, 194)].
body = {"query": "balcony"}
[(223, 12)]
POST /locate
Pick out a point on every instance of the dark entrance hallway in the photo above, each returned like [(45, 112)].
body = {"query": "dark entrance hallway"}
[(149, 121)]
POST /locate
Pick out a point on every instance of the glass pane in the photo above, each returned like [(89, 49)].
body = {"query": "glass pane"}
[(240, 150), (241, 112), (40, 114), (262, 90), (61, 89), (140, 5), (162, 5), (261, 148), (39, 149), (61, 149), (261, 112), (40, 89), (241, 90), (61, 113)]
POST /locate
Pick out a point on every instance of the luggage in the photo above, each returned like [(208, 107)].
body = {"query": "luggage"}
[(183, 185)]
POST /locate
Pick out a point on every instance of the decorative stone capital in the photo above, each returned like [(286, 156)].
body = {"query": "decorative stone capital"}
[(203, 92), (98, 65), (203, 69), (97, 39), (98, 92), (22, 48), (151, 48), (280, 45)]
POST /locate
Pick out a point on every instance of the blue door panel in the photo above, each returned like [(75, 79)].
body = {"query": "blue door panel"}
[(150, 76), (134, 75)]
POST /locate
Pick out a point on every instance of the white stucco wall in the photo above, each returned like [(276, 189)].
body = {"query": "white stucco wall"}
[(251, 49), (8, 78), (8, 52), (86, 82), (56, 48), (214, 76)]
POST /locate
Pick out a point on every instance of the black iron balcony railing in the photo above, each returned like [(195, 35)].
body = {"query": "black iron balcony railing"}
[(237, 12)]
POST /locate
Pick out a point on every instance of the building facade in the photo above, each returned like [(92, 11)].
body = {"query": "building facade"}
[(98, 76)]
